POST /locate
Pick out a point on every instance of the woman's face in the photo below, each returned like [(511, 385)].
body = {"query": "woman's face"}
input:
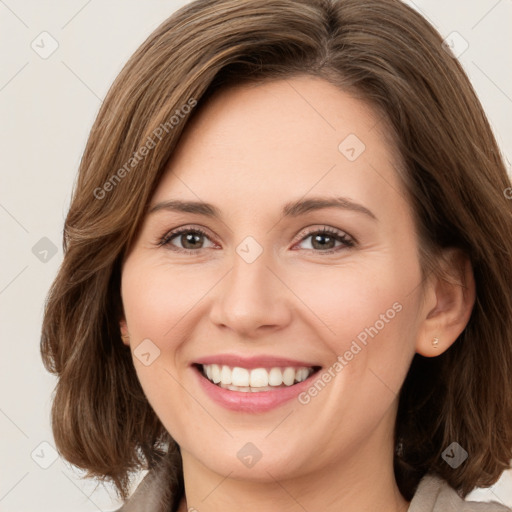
[(251, 291)]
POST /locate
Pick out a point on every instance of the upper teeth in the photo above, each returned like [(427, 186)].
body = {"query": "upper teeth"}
[(257, 377)]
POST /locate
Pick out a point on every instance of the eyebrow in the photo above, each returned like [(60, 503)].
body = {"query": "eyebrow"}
[(291, 209)]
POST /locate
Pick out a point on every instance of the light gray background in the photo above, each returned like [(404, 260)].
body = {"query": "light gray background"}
[(47, 107)]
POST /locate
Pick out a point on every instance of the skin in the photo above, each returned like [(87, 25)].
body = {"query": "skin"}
[(248, 152)]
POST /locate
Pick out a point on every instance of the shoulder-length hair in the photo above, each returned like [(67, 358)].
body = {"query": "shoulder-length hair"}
[(387, 55)]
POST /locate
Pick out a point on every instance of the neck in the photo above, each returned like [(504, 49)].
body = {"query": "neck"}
[(361, 481)]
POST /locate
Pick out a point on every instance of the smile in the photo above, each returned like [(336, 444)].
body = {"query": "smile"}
[(255, 379), (253, 384)]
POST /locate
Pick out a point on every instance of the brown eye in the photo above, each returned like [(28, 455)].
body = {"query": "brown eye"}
[(325, 240), (185, 240)]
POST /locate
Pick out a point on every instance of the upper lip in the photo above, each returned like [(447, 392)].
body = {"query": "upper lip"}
[(264, 361)]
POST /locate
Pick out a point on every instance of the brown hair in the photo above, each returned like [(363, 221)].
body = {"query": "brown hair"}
[(389, 56)]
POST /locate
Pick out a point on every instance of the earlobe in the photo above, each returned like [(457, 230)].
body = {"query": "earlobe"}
[(452, 300), (125, 337)]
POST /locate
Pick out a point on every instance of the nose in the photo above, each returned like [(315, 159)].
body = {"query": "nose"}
[(252, 299)]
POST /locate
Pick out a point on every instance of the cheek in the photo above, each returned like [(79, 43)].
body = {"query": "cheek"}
[(157, 298), (371, 314), (367, 314), (350, 299)]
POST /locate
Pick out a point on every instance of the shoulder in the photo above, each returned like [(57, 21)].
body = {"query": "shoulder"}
[(144, 498), (435, 495), (151, 495), (432, 495), (159, 490)]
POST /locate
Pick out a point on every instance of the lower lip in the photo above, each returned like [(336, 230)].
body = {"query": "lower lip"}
[(251, 401)]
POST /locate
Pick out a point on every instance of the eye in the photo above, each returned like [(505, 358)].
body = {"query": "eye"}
[(190, 239), (325, 239)]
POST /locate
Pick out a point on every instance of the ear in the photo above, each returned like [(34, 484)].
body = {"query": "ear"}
[(449, 301), (125, 336)]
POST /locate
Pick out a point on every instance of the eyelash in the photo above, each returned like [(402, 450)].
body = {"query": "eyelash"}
[(340, 236)]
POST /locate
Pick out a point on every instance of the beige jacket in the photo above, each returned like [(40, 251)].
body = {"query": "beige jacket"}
[(432, 495)]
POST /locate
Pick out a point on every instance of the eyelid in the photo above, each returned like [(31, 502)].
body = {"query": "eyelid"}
[(319, 228)]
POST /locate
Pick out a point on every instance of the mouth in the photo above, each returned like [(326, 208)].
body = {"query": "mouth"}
[(255, 380), (255, 384)]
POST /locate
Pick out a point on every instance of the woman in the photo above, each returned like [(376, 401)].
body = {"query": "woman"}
[(286, 282)]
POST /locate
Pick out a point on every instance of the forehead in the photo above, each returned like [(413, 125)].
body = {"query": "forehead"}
[(291, 137), (299, 109)]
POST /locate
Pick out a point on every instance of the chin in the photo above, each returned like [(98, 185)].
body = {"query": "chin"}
[(257, 461)]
